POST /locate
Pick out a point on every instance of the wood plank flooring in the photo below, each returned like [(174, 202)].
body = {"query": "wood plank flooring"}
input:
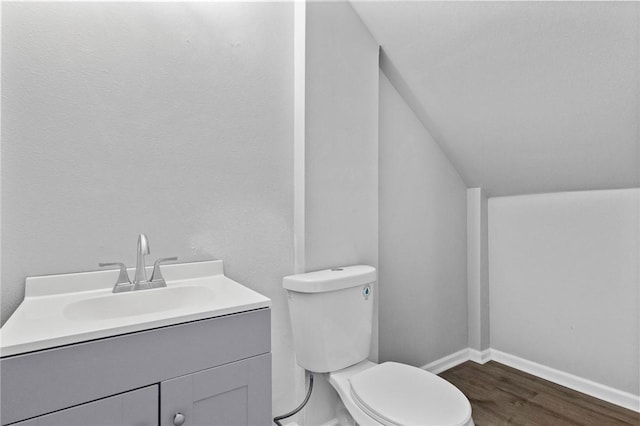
[(501, 395)]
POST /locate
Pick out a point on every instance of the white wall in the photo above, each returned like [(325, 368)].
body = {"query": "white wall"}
[(341, 154), (164, 118), (478, 269), (564, 282), (423, 240)]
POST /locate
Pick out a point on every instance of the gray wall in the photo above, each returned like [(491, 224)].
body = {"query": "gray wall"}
[(164, 118), (423, 240), (341, 153), (341, 138), (565, 282)]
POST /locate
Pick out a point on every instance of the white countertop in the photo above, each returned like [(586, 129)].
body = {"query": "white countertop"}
[(72, 308)]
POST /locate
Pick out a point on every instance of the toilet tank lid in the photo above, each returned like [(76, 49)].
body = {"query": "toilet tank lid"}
[(330, 279)]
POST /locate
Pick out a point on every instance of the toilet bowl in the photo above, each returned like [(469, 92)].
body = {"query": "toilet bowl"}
[(393, 394), (332, 318)]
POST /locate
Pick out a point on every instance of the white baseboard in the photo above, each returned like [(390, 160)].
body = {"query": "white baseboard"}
[(447, 362), (480, 357), (332, 422), (597, 390), (586, 386)]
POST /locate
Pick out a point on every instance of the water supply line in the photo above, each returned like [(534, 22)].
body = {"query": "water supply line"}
[(277, 419)]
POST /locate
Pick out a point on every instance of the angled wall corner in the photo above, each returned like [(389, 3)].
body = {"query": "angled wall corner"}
[(477, 270), (299, 92), (299, 112)]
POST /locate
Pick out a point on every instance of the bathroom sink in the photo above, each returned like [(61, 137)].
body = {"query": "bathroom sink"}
[(71, 308), (134, 303)]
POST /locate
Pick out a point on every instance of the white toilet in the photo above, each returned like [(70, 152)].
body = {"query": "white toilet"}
[(332, 318)]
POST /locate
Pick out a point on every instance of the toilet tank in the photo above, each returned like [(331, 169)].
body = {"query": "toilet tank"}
[(331, 316)]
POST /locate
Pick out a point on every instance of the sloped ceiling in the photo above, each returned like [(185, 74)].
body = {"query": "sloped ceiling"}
[(524, 97)]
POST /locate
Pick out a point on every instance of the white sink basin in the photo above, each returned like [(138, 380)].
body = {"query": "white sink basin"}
[(134, 303), (72, 308)]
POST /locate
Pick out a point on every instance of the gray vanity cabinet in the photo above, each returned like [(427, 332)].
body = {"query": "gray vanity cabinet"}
[(214, 371), (135, 408), (229, 395)]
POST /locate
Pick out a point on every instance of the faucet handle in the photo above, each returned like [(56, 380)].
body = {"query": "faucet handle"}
[(123, 278), (156, 276)]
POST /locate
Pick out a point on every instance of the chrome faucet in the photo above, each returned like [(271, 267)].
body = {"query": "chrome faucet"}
[(143, 249), (140, 281)]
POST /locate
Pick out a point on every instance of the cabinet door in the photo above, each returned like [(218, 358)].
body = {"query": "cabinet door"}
[(135, 408), (235, 394)]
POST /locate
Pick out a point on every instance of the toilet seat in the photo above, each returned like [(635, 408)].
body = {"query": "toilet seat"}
[(396, 394)]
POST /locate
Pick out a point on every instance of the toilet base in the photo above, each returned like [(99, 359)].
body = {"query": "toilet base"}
[(340, 382), (343, 416)]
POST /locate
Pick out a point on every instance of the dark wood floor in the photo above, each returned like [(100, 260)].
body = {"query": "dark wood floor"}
[(501, 395)]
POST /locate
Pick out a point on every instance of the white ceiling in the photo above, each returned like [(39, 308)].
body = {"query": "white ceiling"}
[(523, 97)]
